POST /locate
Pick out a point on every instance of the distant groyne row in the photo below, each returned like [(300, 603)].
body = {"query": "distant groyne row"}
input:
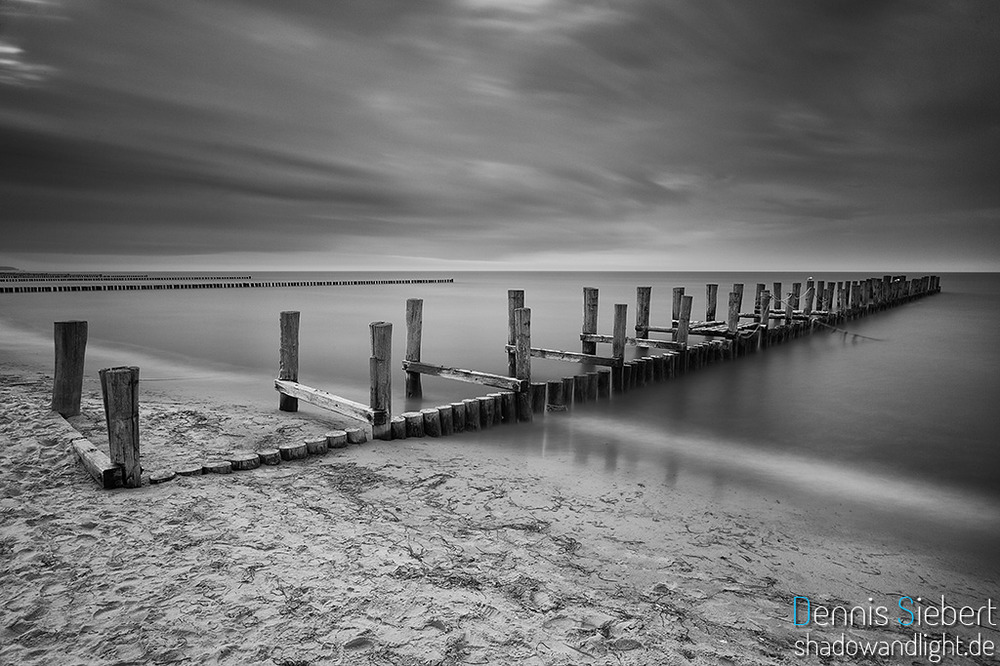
[(101, 277), (214, 285)]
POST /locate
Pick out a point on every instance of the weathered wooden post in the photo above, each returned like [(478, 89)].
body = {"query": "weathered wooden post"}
[(738, 290), (776, 296), (756, 297), (515, 301), (765, 307), (414, 328), (288, 363), (733, 321), (618, 345), (675, 311), (71, 350), (379, 366), (796, 295), (762, 318), (683, 325), (684, 320), (589, 318), (810, 293), (522, 360), (711, 299), (643, 296), (120, 387)]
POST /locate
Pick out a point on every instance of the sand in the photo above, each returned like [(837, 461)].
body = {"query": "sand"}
[(415, 552)]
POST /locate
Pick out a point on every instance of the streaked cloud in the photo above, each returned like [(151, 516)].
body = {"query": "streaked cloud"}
[(670, 133)]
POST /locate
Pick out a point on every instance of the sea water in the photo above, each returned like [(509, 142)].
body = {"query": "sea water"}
[(893, 420)]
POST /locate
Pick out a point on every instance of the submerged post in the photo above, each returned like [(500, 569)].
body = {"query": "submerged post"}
[(71, 350), (414, 327), (379, 365), (618, 345), (120, 387), (515, 300), (642, 298), (711, 300), (589, 318), (288, 363)]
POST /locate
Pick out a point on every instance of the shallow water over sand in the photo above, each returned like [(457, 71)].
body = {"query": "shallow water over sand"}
[(892, 435)]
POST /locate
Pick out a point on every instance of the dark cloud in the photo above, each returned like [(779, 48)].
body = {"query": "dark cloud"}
[(251, 125)]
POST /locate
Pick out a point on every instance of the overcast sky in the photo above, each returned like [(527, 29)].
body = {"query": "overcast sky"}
[(452, 134)]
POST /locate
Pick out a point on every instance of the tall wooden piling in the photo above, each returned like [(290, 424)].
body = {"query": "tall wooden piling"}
[(414, 330), (515, 301), (642, 298), (379, 365), (733, 320), (71, 350), (765, 307), (590, 297), (711, 300), (521, 339), (738, 290), (618, 345), (288, 362), (807, 307), (675, 310), (120, 387), (684, 320)]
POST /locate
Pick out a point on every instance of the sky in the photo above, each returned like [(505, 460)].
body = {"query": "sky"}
[(500, 134)]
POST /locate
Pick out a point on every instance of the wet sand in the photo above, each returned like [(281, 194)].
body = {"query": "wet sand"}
[(415, 552)]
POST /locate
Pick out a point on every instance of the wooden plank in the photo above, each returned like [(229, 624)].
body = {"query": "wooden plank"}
[(459, 374), (97, 463), (645, 342), (329, 401), (71, 350), (576, 357)]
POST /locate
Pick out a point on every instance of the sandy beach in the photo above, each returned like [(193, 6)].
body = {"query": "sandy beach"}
[(415, 552)]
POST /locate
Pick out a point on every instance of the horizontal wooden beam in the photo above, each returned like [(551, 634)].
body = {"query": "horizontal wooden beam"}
[(473, 376), (577, 357), (334, 403), (645, 342), (97, 463)]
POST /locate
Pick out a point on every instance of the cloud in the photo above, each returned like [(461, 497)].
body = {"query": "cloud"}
[(498, 128)]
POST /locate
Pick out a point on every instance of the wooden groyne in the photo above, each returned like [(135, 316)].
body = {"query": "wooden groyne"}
[(776, 317), (212, 285), (685, 346)]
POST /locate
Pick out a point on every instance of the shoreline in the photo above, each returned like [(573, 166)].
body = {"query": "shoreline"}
[(420, 551)]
